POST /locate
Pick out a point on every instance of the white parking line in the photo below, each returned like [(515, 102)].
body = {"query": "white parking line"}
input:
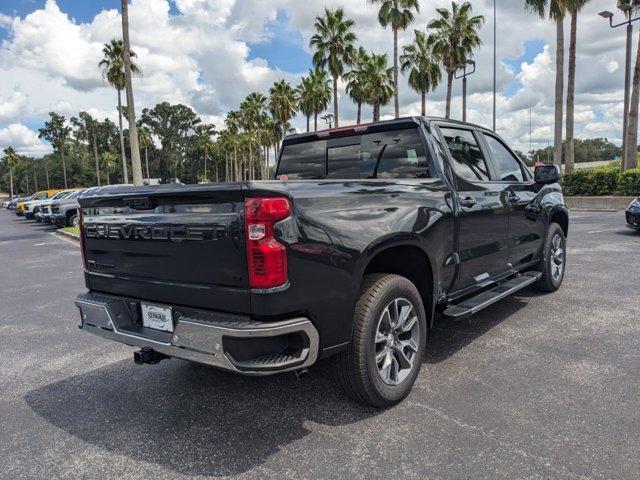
[(68, 240)]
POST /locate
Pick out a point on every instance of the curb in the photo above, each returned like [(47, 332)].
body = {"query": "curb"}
[(67, 235)]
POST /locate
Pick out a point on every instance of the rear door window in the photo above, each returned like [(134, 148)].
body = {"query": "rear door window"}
[(468, 161)]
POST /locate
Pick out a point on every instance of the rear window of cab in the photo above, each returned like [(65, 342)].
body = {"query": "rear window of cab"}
[(390, 154)]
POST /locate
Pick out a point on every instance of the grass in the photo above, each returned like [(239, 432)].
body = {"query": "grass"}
[(75, 231)]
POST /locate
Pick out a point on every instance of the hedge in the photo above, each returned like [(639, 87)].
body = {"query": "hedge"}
[(606, 180)]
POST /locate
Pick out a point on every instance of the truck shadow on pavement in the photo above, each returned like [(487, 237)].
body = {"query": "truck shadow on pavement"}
[(196, 420)]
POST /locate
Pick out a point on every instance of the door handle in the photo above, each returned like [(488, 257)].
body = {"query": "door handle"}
[(468, 202)]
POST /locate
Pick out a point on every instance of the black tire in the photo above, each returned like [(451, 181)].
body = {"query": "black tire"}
[(551, 280), (356, 368), (72, 220)]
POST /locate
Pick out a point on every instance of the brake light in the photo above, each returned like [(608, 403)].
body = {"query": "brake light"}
[(266, 257), (83, 248)]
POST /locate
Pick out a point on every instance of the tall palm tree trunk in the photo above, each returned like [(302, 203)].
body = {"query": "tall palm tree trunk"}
[(315, 122), (571, 86), (632, 128), (308, 119), (35, 180), (423, 99), (557, 137), (449, 87), (335, 101), (95, 156), (11, 180), (359, 114), (376, 112), (125, 172), (64, 167), (133, 128), (396, 100), (46, 172)]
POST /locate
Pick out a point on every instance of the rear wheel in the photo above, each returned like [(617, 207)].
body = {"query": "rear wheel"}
[(387, 349), (554, 260)]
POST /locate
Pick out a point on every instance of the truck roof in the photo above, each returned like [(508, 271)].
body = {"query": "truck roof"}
[(364, 127)]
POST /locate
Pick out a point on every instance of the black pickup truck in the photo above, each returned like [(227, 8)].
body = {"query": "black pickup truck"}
[(365, 234)]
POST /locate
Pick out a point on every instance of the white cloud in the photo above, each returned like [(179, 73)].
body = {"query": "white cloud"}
[(201, 58), (24, 140)]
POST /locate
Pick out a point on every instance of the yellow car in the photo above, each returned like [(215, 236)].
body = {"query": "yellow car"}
[(41, 195)]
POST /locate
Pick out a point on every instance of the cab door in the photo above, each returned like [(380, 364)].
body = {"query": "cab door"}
[(526, 225), (484, 216)]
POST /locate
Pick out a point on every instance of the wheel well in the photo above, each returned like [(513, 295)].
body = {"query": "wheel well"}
[(562, 219), (411, 263)]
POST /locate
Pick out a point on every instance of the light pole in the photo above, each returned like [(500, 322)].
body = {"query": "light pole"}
[(627, 78), (464, 76), (328, 118)]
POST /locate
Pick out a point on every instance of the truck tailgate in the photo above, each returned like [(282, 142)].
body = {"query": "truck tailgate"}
[(174, 243)]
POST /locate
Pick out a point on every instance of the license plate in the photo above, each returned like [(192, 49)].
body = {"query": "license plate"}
[(157, 317)]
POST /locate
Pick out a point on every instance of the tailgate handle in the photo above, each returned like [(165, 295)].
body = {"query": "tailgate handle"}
[(141, 203)]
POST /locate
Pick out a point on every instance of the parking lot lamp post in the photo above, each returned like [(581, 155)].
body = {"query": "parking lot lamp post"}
[(464, 76), (328, 118), (627, 78)]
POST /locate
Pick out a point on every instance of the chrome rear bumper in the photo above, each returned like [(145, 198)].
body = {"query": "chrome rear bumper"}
[(205, 337)]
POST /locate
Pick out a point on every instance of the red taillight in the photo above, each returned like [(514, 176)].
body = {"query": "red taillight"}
[(83, 250), (266, 257)]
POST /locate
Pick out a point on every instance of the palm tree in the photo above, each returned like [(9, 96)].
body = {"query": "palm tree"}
[(144, 135), (398, 14), (304, 97), (422, 65), (112, 66), (355, 81), (131, 109), (203, 133), (321, 93), (455, 36), (11, 159), (109, 162), (282, 104), (574, 7), (333, 44), (629, 8), (251, 110), (556, 10), (378, 86)]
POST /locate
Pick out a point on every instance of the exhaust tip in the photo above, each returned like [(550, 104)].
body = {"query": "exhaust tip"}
[(301, 372)]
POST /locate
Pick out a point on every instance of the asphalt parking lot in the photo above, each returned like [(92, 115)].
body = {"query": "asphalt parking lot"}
[(539, 386)]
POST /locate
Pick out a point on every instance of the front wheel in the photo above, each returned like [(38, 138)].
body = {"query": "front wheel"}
[(73, 220), (554, 260), (387, 348)]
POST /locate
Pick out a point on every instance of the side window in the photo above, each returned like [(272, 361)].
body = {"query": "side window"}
[(468, 161), (509, 169), (402, 155), (304, 160)]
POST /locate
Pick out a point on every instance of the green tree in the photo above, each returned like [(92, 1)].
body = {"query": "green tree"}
[(56, 132), (204, 144), (422, 65), (334, 48), (455, 36), (113, 71), (556, 10), (378, 85), (356, 79), (283, 106), (109, 162), (87, 131), (398, 14), (144, 136), (304, 97)]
